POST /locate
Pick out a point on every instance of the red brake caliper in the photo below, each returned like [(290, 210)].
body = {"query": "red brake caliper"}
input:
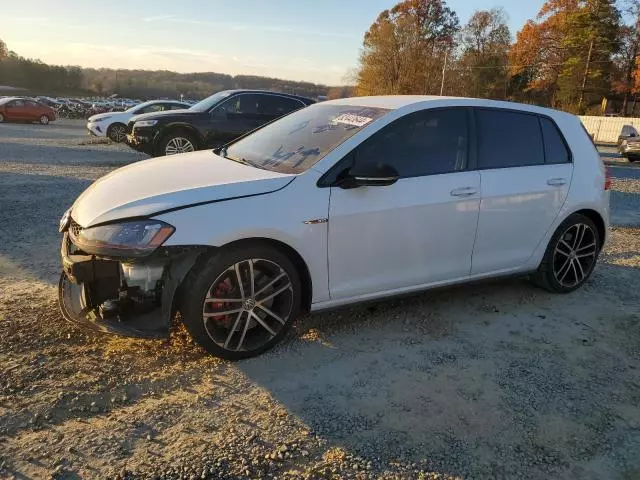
[(222, 289)]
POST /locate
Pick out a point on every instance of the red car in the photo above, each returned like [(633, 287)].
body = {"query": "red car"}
[(25, 110)]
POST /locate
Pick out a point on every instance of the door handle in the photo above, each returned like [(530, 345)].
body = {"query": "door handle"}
[(557, 182), (464, 192)]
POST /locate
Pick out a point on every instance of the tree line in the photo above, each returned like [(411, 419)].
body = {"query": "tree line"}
[(42, 79), (571, 56)]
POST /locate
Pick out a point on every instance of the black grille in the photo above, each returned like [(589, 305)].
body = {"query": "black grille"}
[(74, 229)]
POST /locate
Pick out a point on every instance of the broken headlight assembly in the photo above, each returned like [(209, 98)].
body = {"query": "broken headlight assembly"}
[(132, 239)]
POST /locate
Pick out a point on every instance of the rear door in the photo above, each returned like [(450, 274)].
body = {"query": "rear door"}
[(275, 106), (33, 111), (525, 168)]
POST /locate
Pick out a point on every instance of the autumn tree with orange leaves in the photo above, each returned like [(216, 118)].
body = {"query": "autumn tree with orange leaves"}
[(564, 58), (404, 50)]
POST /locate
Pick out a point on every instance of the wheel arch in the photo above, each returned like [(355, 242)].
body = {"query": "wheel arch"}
[(293, 255), (177, 127), (597, 219)]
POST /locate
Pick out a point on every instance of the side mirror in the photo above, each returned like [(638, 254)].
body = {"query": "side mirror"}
[(369, 176)]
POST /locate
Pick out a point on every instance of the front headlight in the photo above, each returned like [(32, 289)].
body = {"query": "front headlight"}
[(145, 123), (136, 238), (102, 119), (65, 221)]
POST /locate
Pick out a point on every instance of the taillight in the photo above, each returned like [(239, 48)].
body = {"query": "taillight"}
[(607, 178)]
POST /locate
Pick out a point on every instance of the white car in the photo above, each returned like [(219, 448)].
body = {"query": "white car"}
[(341, 202), (114, 124)]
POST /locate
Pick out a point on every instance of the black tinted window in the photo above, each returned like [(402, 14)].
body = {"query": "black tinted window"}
[(508, 139), (273, 105), (247, 103), (555, 150), (429, 142), (17, 103)]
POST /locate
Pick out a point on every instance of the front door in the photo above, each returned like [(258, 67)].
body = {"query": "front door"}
[(233, 118), (420, 229), (526, 171), (16, 110)]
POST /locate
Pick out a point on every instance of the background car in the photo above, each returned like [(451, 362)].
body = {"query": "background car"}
[(342, 202), (629, 143), (25, 110), (210, 123), (114, 124)]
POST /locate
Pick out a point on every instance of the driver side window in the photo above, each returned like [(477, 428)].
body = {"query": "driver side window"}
[(428, 142), (245, 104)]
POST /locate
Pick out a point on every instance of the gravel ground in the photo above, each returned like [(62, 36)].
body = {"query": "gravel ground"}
[(492, 380)]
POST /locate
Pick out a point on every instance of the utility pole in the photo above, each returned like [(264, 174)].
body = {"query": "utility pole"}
[(586, 70), (444, 69), (586, 74)]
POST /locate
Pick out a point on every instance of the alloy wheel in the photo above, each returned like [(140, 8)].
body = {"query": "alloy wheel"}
[(178, 145), (248, 305), (44, 120), (575, 255), (118, 133)]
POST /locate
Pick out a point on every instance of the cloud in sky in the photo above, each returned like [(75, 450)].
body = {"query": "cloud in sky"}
[(249, 26)]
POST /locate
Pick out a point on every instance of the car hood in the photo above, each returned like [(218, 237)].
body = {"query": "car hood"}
[(98, 116), (166, 113), (152, 186)]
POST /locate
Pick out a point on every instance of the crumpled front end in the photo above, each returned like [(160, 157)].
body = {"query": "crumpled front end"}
[(128, 297)]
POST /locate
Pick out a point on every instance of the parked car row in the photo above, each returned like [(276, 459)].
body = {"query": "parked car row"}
[(211, 123)]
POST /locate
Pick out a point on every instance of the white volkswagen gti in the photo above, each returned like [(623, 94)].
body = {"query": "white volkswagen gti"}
[(114, 124), (341, 202)]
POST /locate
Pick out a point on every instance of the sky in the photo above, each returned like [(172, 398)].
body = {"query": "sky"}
[(317, 41)]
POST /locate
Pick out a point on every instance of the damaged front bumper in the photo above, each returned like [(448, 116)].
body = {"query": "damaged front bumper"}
[(132, 298)]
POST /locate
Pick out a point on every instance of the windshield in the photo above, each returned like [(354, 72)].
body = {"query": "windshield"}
[(298, 141), (206, 104)]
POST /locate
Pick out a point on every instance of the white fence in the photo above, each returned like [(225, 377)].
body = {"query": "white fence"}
[(607, 129)]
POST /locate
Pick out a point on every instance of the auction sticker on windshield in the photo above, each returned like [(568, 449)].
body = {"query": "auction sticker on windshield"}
[(352, 119)]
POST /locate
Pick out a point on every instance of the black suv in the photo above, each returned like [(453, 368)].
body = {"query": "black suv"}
[(210, 123)]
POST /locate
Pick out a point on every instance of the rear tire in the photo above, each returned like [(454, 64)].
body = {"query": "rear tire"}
[(1, 118), (248, 316), (570, 257), (117, 132)]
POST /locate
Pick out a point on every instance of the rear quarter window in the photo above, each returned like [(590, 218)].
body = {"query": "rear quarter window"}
[(555, 148)]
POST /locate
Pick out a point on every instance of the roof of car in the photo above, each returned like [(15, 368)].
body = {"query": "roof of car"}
[(290, 95), (395, 102)]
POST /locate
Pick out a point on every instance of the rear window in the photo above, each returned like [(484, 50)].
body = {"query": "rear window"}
[(508, 139), (555, 150)]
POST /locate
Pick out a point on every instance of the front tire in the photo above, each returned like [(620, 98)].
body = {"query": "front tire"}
[(570, 257), (175, 143), (241, 301), (44, 120), (1, 118), (117, 132)]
